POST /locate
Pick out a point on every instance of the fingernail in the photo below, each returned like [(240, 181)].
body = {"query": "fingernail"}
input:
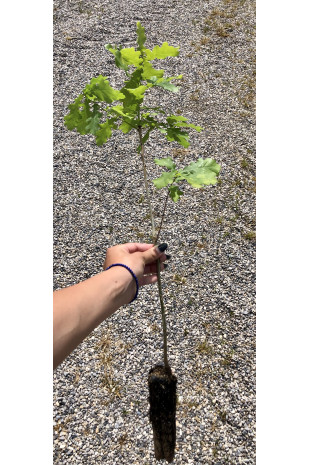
[(168, 257), (162, 247)]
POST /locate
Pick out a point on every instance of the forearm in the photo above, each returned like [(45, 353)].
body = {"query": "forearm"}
[(80, 308)]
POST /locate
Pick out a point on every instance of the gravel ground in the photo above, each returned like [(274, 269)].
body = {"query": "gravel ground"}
[(100, 390)]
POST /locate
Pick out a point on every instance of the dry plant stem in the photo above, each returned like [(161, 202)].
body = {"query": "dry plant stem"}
[(163, 315)]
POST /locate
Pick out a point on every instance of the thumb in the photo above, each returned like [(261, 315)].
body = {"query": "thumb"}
[(154, 253)]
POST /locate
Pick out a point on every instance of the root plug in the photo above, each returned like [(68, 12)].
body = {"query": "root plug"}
[(162, 388)]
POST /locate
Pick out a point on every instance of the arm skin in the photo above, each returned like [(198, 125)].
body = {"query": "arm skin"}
[(80, 308)]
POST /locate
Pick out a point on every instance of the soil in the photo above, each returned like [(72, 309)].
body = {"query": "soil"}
[(162, 388)]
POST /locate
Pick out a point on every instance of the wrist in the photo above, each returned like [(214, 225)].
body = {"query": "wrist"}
[(123, 284)]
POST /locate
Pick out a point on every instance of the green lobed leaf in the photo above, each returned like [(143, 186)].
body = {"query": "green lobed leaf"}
[(162, 52), (175, 134), (138, 92), (141, 35), (100, 89), (150, 122), (165, 179), (149, 71), (133, 98), (78, 115), (93, 121), (131, 56), (164, 82), (167, 162), (125, 127), (105, 131), (172, 119), (175, 193), (118, 109), (119, 60), (202, 172), (74, 116), (190, 125), (110, 48)]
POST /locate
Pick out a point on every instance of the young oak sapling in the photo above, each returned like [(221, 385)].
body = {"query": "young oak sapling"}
[(99, 110)]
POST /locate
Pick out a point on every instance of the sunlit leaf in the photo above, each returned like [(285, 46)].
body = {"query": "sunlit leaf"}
[(166, 178), (105, 131), (131, 56), (190, 125), (149, 71), (172, 119), (125, 127), (202, 172), (100, 89), (167, 162), (78, 115), (162, 52), (141, 35)]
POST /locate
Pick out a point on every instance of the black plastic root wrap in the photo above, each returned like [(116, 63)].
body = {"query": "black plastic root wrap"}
[(162, 388)]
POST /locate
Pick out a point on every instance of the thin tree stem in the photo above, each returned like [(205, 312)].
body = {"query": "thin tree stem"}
[(163, 315), (162, 217), (146, 184), (162, 306)]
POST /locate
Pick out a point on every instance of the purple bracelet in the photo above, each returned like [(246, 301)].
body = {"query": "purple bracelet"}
[(133, 275)]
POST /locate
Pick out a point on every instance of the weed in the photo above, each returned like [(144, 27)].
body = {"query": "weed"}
[(141, 235), (205, 348), (178, 279), (112, 386), (204, 40), (108, 383), (244, 163), (122, 439), (227, 360), (250, 235), (190, 404), (155, 328)]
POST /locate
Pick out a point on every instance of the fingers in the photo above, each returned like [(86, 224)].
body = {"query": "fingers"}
[(150, 269), (132, 247), (153, 253), (151, 279)]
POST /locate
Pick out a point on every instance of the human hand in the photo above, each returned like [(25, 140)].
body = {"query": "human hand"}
[(141, 258)]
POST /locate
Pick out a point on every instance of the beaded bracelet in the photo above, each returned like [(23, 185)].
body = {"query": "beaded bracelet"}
[(133, 275)]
